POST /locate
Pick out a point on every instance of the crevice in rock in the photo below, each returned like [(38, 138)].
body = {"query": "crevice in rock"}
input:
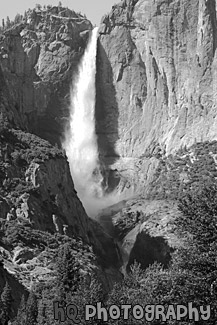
[(211, 6), (166, 90)]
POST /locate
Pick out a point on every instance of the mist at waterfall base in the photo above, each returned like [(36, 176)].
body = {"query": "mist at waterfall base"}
[(80, 141)]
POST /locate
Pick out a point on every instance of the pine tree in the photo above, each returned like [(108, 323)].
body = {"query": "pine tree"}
[(45, 306), (68, 270), (41, 311), (21, 313), (31, 309), (6, 301), (38, 6), (25, 16), (17, 19), (8, 22), (4, 125)]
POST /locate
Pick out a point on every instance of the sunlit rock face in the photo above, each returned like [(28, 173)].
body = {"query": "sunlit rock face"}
[(38, 59), (156, 83)]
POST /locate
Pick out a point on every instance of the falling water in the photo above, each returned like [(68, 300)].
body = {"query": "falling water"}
[(80, 140)]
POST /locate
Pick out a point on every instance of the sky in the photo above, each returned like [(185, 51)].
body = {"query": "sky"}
[(94, 9)]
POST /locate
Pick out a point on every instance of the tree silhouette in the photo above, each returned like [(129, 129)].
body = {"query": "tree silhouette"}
[(6, 301), (31, 309), (8, 22), (21, 313), (68, 270)]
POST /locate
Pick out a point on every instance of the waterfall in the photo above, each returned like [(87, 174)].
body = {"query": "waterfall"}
[(80, 139)]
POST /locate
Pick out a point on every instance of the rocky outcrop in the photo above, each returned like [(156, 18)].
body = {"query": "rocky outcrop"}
[(37, 191), (156, 83), (38, 59), (144, 230)]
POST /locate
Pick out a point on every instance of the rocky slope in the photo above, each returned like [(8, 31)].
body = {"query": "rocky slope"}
[(156, 83), (35, 181)]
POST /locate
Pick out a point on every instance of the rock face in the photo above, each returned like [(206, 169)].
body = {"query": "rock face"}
[(144, 230), (36, 182), (38, 59), (156, 83)]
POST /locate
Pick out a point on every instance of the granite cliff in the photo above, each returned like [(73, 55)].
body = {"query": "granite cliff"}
[(155, 98), (39, 57), (38, 202), (156, 84)]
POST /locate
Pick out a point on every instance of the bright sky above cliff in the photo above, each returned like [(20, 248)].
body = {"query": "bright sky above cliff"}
[(94, 9)]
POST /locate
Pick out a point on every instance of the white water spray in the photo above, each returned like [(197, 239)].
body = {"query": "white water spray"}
[(80, 140)]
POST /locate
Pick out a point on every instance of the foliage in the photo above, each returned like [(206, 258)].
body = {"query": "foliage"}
[(126, 222), (186, 169), (21, 313), (18, 19), (18, 150), (31, 309), (3, 124), (6, 301), (33, 147), (15, 233), (38, 14), (67, 270), (192, 274), (73, 264)]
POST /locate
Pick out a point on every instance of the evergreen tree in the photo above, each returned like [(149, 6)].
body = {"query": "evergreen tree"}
[(41, 311), (18, 18), (21, 313), (68, 270), (45, 305), (8, 22), (38, 6), (31, 309), (25, 16), (6, 302), (4, 125)]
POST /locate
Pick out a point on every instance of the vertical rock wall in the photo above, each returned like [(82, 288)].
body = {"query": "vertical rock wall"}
[(156, 82)]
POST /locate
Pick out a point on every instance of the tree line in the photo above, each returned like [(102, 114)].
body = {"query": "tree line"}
[(19, 18)]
